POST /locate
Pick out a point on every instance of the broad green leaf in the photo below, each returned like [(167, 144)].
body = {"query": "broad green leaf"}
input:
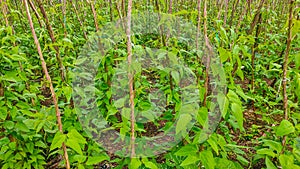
[(266, 151), (295, 28), (224, 54), (277, 146), (57, 141), (297, 60), (237, 111), (9, 125), (182, 122), (135, 163), (80, 166), (242, 160), (286, 161), (173, 57), (223, 103), (79, 158), (120, 102), (4, 141), (202, 115), (68, 92), (72, 143), (240, 73), (149, 164), (3, 113), (233, 97), (270, 164), (191, 159), (191, 108), (96, 160), (207, 159), (186, 150), (213, 142), (223, 163), (17, 57), (73, 134), (80, 61), (175, 76), (21, 126), (284, 128), (223, 34), (40, 144)]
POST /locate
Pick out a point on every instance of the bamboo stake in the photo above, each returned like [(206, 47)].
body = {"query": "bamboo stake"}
[(285, 66), (234, 6), (198, 33), (35, 12), (4, 11), (208, 51), (226, 13), (44, 66), (286, 57), (95, 15), (256, 17), (79, 20), (130, 77), (198, 24), (53, 39)]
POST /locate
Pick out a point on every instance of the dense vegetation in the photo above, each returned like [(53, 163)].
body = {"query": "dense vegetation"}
[(222, 91)]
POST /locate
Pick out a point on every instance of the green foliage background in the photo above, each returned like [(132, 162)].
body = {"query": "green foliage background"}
[(252, 127)]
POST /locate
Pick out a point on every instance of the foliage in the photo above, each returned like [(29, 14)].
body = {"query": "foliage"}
[(252, 125)]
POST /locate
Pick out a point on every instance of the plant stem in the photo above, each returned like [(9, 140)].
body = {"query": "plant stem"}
[(44, 66)]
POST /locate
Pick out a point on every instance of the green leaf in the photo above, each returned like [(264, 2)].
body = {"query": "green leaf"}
[(135, 163), (242, 160), (175, 76), (277, 146), (21, 126), (286, 161), (9, 125), (68, 92), (80, 61), (17, 57), (223, 163), (223, 103), (3, 113), (72, 143), (270, 164), (73, 134), (40, 144), (207, 159), (297, 60), (266, 151), (224, 54), (96, 160), (80, 166), (295, 28), (233, 97), (186, 150), (182, 122), (191, 159), (212, 141), (79, 158), (238, 114), (57, 141), (285, 128), (223, 34), (149, 164), (120, 102)]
